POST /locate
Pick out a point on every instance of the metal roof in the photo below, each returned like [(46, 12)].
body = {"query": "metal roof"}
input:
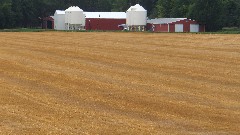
[(107, 15), (164, 20)]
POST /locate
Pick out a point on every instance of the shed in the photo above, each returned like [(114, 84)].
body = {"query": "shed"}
[(104, 20), (59, 20), (48, 22), (174, 25)]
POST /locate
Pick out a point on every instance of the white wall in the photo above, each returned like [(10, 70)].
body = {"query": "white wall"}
[(59, 21), (138, 18)]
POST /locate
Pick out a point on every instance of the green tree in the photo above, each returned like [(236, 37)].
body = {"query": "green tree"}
[(231, 13), (29, 13), (214, 13), (2, 18), (181, 8), (17, 13), (6, 15), (209, 12), (119, 5), (164, 8)]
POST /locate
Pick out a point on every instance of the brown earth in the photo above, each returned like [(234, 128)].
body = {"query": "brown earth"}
[(119, 83)]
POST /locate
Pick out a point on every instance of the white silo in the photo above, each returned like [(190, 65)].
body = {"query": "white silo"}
[(59, 20), (128, 14), (74, 18), (136, 18)]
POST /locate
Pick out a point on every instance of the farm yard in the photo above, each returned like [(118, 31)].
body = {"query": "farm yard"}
[(119, 83)]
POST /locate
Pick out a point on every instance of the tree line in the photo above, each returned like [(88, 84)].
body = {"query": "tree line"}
[(216, 14)]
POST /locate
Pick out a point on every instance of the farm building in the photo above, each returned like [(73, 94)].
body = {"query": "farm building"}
[(104, 20), (136, 18), (48, 22), (174, 25), (74, 18), (59, 19)]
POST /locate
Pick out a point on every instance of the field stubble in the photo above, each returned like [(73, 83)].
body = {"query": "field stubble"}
[(119, 83)]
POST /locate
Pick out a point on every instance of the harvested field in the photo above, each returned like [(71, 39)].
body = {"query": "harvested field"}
[(119, 83)]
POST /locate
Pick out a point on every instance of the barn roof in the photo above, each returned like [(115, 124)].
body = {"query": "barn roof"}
[(107, 15), (164, 20), (48, 18)]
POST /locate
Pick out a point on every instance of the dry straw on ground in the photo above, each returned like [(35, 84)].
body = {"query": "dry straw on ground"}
[(119, 83)]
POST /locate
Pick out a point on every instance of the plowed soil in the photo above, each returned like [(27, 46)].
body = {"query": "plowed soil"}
[(119, 83)]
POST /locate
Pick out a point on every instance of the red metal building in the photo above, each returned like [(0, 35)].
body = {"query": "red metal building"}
[(103, 24), (104, 20), (174, 25), (48, 23)]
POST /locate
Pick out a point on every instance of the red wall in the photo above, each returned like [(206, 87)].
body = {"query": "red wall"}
[(161, 27), (149, 26), (171, 27), (158, 27), (202, 28), (45, 20), (104, 24), (186, 26)]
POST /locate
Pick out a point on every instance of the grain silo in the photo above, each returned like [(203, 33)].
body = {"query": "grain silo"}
[(59, 20), (74, 18), (136, 18)]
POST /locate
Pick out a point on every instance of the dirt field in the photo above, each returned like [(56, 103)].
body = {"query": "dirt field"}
[(119, 83)]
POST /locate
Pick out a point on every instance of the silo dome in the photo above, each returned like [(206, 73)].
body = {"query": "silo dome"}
[(74, 18), (136, 16)]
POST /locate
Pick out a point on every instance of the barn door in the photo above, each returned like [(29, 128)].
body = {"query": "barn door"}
[(49, 25), (178, 27), (194, 27)]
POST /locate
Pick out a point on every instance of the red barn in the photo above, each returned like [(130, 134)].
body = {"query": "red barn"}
[(104, 20), (48, 23), (174, 25)]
